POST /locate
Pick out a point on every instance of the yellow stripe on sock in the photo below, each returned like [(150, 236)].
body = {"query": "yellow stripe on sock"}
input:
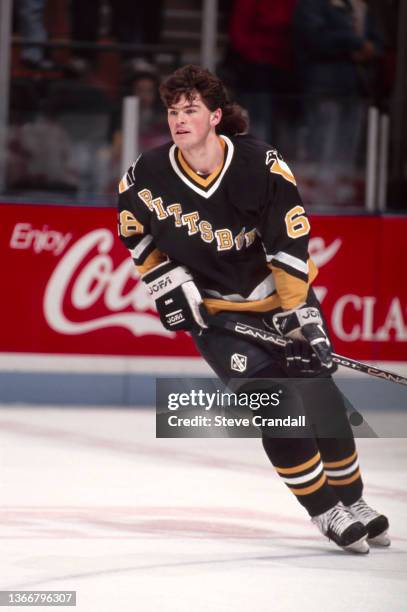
[(300, 467), (342, 462), (344, 481)]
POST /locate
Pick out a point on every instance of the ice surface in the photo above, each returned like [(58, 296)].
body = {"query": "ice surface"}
[(91, 501)]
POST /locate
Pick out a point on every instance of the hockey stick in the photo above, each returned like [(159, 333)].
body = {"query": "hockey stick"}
[(267, 338)]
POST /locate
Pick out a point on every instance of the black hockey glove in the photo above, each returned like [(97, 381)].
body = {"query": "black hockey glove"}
[(301, 359), (176, 296), (305, 324)]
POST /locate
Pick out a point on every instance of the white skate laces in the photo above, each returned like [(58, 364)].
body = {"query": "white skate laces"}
[(339, 525), (376, 524)]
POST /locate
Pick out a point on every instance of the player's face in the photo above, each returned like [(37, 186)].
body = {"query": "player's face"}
[(191, 122)]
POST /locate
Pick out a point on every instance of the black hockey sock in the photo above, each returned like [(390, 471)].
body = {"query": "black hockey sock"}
[(326, 408), (341, 466), (298, 463)]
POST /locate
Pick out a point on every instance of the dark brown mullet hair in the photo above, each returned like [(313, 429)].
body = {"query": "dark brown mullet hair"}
[(190, 80)]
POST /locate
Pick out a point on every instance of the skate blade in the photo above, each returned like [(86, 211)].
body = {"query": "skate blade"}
[(382, 540), (360, 547)]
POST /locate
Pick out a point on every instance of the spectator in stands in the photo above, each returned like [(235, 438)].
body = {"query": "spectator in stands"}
[(337, 46), (144, 83), (153, 126), (261, 35), (31, 25), (40, 154), (131, 22)]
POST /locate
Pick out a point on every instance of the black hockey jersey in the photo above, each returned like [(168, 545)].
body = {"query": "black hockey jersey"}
[(241, 231)]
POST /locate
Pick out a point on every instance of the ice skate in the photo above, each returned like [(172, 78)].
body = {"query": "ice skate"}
[(376, 524), (339, 525)]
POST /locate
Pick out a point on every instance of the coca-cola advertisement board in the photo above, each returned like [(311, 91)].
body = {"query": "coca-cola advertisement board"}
[(69, 286)]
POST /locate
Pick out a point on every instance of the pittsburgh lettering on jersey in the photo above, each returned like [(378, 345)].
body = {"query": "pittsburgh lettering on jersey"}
[(154, 204), (223, 236), (279, 166)]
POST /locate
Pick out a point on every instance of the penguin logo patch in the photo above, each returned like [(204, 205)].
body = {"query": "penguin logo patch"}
[(279, 166), (238, 362)]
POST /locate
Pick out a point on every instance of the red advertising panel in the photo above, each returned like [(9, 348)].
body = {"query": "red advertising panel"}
[(72, 287), (360, 284), (69, 286)]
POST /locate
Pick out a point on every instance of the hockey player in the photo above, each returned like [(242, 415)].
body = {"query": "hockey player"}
[(215, 224)]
